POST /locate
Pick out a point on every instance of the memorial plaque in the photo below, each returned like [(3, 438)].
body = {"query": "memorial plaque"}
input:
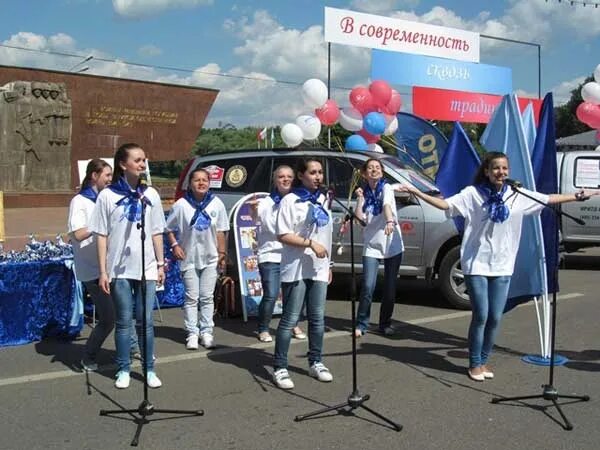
[(49, 120)]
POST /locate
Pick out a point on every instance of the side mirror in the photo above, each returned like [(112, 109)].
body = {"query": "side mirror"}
[(404, 198)]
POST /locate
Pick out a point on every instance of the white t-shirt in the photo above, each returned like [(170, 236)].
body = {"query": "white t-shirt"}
[(123, 259), (85, 252), (269, 248), (299, 263), (490, 248), (376, 243), (200, 247)]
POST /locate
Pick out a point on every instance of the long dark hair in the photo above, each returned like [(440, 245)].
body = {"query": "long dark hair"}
[(486, 163), (96, 165), (121, 156), (302, 166)]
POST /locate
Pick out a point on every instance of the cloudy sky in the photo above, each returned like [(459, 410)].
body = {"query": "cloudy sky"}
[(258, 53)]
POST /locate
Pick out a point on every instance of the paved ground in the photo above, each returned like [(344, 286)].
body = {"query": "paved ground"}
[(416, 378)]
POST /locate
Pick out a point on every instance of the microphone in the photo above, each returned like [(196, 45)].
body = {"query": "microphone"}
[(143, 181), (513, 183)]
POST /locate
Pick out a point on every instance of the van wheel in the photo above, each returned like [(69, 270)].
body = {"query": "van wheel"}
[(452, 281)]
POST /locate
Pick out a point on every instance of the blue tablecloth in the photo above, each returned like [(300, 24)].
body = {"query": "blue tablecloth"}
[(43, 298), (37, 299)]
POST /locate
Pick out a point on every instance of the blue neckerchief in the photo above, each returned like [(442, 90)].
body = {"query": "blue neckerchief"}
[(374, 200), (201, 220), (276, 196), (318, 214), (498, 212), (130, 200), (89, 193)]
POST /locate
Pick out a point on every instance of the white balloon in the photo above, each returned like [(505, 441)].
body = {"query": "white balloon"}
[(391, 127), (310, 126), (590, 92), (374, 148), (314, 93), (597, 74), (291, 134), (351, 119)]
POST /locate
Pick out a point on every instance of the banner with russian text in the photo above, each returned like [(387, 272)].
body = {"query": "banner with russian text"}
[(427, 71), (367, 30), (472, 107)]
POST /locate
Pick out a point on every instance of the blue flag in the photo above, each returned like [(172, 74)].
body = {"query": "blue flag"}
[(545, 171), (504, 133), (420, 143), (529, 127), (457, 167)]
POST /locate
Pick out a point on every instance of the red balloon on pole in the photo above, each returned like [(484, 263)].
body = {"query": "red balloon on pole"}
[(370, 138), (381, 92), (393, 106), (329, 113), (362, 100)]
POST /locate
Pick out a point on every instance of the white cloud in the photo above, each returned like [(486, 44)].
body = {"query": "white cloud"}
[(134, 9), (382, 6), (149, 51), (562, 91)]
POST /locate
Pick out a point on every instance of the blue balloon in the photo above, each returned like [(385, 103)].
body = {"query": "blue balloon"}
[(374, 123), (356, 142)]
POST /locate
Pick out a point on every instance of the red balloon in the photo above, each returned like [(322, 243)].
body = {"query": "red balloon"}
[(393, 106), (362, 100), (329, 113), (589, 114), (370, 138), (381, 92)]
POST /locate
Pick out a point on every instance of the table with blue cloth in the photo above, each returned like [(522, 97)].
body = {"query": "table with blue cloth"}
[(42, 298), (38, 299)]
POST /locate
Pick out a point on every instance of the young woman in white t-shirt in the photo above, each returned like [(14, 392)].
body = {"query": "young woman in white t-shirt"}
[(493, 216), (115, 222), (376, 205), (98, 174), (304, 227), (201, 221), (269, 249)]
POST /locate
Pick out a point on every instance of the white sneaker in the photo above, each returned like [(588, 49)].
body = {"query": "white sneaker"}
[(320, 372), (153, 381), (282, 379), (123, 380), (191, 343), (207, 340)]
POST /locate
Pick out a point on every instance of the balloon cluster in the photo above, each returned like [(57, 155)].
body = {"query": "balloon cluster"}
[(308, 126), (588, 112), (38, 251), (372, 114)]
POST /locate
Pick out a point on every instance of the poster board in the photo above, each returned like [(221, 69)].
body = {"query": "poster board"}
[(246, 247)]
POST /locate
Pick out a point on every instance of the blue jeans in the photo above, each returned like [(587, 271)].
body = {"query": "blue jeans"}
[(127, 297), (390, 274), (488, 298), (295, 294), (270, 277)]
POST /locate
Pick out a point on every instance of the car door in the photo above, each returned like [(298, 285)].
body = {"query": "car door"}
[(581, 173)]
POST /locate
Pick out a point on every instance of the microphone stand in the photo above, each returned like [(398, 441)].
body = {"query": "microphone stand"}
[(146, 408), (549, 392), (355, 399)]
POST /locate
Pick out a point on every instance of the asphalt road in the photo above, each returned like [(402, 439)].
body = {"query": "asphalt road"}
[(417, 378)]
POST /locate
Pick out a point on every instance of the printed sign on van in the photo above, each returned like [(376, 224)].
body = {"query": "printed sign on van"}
[(215, 174)]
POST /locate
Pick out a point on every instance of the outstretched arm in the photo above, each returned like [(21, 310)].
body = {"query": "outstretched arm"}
[(439, 203), (580, 196)]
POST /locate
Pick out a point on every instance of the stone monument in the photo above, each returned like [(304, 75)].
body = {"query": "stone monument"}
[(35, 137)]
